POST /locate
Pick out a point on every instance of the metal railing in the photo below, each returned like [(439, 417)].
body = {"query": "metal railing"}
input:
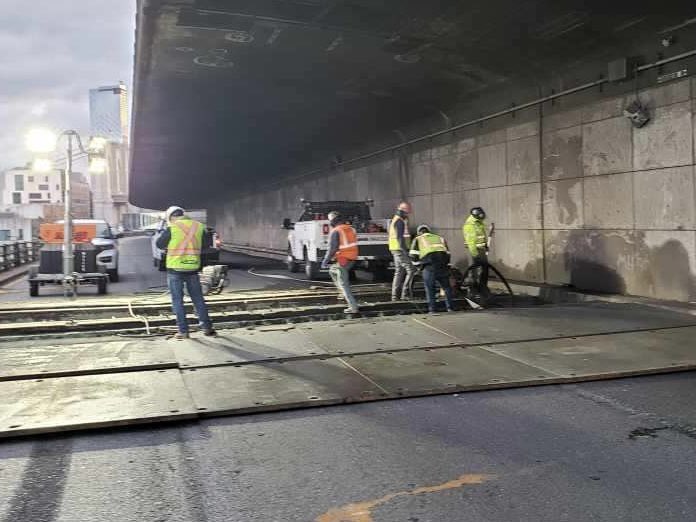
[(16, 253)]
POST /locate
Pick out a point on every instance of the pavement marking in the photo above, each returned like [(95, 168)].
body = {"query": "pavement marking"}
[(362, 511), (437, 329), (364, 376)]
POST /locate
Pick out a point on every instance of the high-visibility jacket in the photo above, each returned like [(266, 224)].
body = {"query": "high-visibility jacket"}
[(394, 243), (347, 244), (427, 244), (475, 235), (184, 248)]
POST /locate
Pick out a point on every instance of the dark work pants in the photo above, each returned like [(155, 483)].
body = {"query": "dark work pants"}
[(480, 272), (431, 279)]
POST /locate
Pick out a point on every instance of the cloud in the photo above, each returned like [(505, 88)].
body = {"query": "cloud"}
[(53, 52)]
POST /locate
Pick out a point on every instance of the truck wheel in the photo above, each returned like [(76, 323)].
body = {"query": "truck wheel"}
[(293, 266), (380, 274), (311, 267), (113, 275), (33, 289), (101, 285)]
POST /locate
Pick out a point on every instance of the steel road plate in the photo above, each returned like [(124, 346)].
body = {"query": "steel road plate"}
[(92, 401)]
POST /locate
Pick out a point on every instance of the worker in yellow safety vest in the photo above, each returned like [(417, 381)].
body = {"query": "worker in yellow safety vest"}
[(183, 241), (476, 240), (399, 240), (430, 251), (341, 256)]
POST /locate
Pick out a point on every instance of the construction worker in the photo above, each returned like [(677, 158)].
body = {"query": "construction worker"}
[(399, 240), (432, 254), (476, 240), (341, 256), (183, 240)]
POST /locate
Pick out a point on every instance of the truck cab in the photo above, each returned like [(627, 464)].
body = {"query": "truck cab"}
[(308, 237)]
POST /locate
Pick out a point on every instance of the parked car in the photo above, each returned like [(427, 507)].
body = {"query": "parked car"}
[(106, 243), (209, 256)]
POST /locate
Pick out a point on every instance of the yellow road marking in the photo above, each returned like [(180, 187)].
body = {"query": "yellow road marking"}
[(362, 511)]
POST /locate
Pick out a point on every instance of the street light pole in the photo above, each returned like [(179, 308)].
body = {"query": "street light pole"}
[(42, 141), (68, 257)]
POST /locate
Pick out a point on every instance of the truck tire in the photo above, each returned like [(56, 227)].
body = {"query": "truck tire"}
[(380, 274), (311, 267), (33, 288), (293, 265), (101, 285)]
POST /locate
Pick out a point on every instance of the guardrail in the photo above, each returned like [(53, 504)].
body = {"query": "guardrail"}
[(16, 253)]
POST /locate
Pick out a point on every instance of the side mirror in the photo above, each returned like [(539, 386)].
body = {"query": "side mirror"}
[(288, 225)]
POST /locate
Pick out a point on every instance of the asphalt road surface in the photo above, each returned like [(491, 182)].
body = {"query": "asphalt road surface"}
[(622, 450), (137, 274)]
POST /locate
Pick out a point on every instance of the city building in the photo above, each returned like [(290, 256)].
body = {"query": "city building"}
[(108, 108), (28, 198), (108, 113)]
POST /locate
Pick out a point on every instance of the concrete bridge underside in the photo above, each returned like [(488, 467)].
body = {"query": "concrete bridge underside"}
[(246, 106)]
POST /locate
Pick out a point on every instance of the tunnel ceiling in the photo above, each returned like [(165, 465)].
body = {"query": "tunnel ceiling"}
[(232, 93)]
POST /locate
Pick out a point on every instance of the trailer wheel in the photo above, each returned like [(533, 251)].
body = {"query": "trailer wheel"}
[(101, 285), (293, 265), (33, 288)]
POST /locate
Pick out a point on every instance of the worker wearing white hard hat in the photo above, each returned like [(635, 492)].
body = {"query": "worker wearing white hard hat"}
[(183, 241), (399, 243)]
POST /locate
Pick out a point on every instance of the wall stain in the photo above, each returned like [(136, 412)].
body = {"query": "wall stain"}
[(362, 511)]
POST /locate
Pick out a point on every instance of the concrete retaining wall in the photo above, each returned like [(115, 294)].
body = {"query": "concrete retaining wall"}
[(577, 194)]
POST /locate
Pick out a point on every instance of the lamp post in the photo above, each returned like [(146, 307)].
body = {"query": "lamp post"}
[(40, 141)]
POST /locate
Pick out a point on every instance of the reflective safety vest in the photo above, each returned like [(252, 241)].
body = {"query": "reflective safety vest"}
[(347, 244), (184, 248), (427, 244), (475, 236), (394, 244)]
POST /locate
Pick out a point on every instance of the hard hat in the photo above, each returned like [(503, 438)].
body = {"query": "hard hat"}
[(171, 210), (478, 213), (335, 217), (404, 207), (422, 229)]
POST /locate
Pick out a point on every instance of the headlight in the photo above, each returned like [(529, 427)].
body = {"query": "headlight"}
[(104, 259)]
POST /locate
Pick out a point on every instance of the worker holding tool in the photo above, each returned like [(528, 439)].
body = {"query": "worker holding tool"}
[(399, 239), (341, 256), (183, 240), (477, 241), (430, 252)]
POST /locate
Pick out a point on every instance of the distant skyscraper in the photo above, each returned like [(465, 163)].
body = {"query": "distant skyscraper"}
[(108, 113), (108, 116)]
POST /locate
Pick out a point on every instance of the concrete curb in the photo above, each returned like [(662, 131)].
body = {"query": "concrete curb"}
[(269, 253), (564, 295), (13, 274)]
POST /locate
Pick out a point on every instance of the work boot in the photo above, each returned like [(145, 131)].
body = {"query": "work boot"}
[(209, 332), (351, 311), (180, 336), (395, 298)]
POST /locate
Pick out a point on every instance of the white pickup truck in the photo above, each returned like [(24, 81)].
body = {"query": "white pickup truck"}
[(308, 237)]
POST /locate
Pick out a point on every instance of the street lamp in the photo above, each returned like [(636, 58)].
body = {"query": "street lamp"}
[(43, 141)]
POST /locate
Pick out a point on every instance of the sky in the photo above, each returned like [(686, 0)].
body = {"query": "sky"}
[(54, 51)]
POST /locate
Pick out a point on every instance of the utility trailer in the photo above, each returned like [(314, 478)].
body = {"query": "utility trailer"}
[(86, 269), (308, 237)]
